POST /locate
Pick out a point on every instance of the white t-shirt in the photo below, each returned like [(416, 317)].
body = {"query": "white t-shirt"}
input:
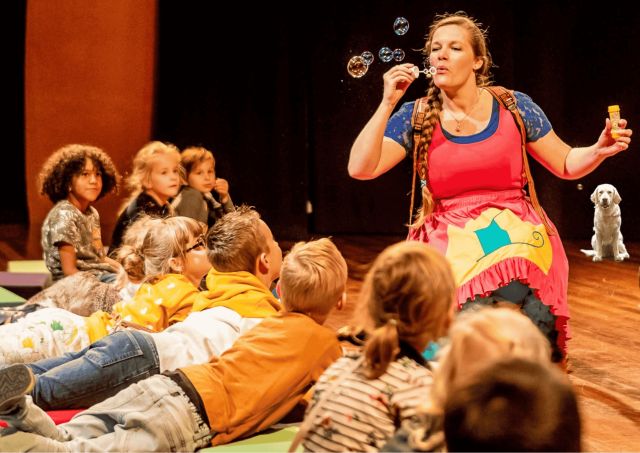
[(200, 336)]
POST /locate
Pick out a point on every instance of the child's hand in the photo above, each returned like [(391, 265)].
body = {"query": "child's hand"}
[(222, 187)]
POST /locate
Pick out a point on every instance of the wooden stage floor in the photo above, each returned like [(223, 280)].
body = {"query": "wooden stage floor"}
[(604, 352)]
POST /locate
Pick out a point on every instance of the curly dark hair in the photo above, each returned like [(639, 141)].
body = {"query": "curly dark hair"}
[(57, 172)]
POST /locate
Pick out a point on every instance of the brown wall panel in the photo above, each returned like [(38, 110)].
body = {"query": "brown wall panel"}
[(89, 78)]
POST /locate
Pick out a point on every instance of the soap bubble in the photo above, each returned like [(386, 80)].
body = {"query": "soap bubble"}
[(357, 67), (385, 54), (368, 57), (398, 54), (401, 26)]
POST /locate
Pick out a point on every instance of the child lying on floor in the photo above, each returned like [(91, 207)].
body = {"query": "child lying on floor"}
[(253, 385), (173, 259), (246, 260)]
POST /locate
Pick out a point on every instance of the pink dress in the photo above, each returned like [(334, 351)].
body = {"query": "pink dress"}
[(486, 226)]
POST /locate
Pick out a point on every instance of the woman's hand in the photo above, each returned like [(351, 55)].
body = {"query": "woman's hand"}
[(607, 145), (396, 82)]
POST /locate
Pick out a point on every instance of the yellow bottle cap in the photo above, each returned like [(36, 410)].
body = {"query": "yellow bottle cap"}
[(614, 108)]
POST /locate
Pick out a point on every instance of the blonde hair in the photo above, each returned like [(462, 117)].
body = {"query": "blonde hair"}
[(128, 255), (313, 277), (143, 165), (481, 337), (195, 155), (164, 239), (478, 41), (236, 241), (477, 339), (409, 291)]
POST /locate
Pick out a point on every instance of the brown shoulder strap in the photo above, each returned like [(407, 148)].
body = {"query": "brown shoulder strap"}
[(417, 120), (507, 100)]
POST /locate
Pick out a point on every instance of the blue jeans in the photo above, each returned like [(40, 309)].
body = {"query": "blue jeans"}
[(78, 380)]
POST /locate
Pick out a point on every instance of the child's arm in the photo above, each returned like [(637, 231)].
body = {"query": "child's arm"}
[(67, 258), (100, 249)]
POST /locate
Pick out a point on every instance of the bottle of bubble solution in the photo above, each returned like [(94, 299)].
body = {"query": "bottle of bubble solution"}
[(614, 116)]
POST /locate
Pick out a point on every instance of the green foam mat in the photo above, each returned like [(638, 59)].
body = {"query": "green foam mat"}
[(10, 299), (274, 441)]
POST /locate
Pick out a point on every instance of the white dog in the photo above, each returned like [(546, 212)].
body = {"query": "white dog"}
[(607, 240)]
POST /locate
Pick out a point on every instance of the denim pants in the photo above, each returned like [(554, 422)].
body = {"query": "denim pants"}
[(152, 415), (80, 379)]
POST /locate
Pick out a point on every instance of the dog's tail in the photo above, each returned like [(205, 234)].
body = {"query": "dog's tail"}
[(588, 252)]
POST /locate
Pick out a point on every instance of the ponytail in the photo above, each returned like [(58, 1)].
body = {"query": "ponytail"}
[(381, 348)]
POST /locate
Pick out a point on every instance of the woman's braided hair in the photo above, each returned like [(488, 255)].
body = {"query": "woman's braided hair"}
[(478, 40)]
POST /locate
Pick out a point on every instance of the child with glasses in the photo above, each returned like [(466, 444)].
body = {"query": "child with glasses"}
[(246, 260), (166, 296), (249, 388)]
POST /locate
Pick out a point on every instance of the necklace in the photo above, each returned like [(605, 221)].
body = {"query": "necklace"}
[(460, 121)]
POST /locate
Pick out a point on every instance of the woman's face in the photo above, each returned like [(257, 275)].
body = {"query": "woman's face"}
[(202, 176), (452, 56)]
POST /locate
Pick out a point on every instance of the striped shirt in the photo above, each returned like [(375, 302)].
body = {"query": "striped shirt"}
[(360, 414)]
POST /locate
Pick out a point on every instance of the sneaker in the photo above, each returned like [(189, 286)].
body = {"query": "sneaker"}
[(15, 381)]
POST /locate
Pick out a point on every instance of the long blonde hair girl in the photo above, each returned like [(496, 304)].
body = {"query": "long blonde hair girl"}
[(164, 240), (142, 166)]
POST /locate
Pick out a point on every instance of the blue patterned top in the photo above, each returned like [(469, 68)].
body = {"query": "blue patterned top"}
[(535, 121)]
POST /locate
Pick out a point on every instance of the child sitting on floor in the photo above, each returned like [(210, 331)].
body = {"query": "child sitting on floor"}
[(154, 181), (476, 339), (195, 199), (246, 260), (251, 386), (409, 292), (173, 257), (482, 414), (73, 178)]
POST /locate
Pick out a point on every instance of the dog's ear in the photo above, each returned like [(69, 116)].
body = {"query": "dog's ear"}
[(616, 196), (594, 196)]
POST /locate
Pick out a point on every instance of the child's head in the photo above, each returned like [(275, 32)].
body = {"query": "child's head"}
[(513, 405), (478, 337), (170, 245), (241, 241), (199, 167), (74, 166), (128, 254), (409, 291), (156, 171), (313, 278)]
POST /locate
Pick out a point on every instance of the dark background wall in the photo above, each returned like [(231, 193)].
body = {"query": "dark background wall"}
[(266, 89)]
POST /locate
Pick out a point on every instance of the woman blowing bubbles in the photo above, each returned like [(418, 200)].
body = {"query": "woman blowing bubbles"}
[(472, 170)]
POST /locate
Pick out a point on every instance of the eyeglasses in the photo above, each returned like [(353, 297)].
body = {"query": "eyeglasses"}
[(200, 243)]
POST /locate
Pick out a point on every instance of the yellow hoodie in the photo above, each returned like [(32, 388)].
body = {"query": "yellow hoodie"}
[(155, 306), (241, 292)]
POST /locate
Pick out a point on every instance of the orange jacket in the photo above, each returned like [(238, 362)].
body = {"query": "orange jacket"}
[(264, 375)]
